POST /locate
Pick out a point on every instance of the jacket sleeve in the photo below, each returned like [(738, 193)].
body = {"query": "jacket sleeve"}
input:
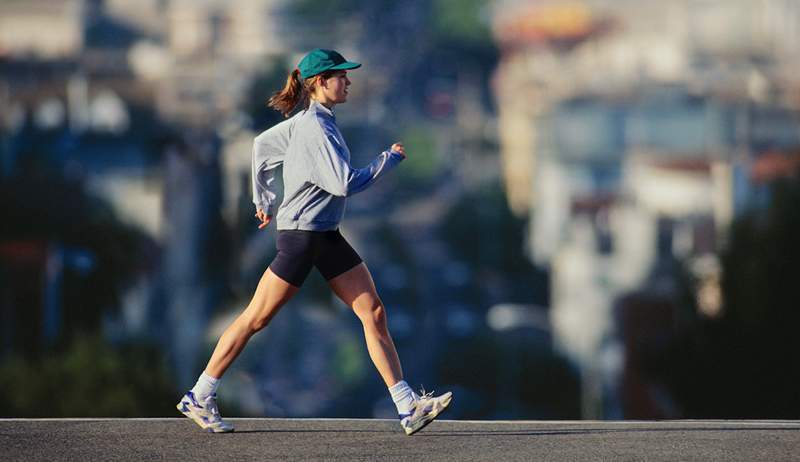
[(333, 173), (269, 150)]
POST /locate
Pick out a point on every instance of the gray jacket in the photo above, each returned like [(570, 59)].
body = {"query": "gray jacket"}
[(317, 176)]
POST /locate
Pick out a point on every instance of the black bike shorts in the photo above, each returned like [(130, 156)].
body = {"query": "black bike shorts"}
[(299, 250)]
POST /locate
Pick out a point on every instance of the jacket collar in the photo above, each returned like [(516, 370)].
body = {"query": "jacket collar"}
[(317, 106)]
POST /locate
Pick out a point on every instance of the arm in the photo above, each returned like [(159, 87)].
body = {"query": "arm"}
[(269, 149), (333, 173)]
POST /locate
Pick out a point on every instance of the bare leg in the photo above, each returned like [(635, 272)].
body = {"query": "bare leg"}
[(271, 294), (357, 290)]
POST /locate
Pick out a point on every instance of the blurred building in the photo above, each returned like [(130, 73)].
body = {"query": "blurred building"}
[(22, 23), (214, 47), (132, 93), (103, 66), (554, 50), (631, 134)]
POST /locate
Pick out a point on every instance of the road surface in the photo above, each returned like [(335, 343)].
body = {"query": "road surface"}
[(349, 439)]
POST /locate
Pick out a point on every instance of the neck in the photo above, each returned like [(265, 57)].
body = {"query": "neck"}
[(324, 101)]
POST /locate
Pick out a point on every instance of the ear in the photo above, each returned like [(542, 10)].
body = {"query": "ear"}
[(322, 81)]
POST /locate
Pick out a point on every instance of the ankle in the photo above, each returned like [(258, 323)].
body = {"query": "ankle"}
[(206, 386), (403, 397)]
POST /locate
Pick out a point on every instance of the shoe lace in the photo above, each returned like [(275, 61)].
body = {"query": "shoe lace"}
[(211, 406), (423, 394)]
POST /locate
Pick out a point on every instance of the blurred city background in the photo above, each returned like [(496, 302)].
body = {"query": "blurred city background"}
[(599, 217)]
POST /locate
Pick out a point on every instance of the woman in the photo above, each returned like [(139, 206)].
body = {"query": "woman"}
[(317, 180)]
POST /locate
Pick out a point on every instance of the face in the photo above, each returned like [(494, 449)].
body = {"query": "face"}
[(333, 90)]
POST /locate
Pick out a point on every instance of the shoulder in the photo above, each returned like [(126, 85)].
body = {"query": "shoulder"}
[(314, 122)]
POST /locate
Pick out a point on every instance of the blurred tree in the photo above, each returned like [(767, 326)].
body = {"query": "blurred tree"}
[(465, 21), (40, 206), (482, 231), (89, 378), (760, 265), (270, 79), (518, 369), (428, 39), (422, 166), (520, 376), (313, 9), (747, 363)]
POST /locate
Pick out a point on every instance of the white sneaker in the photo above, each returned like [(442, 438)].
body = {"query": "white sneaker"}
[(426, 408), (206, 414)]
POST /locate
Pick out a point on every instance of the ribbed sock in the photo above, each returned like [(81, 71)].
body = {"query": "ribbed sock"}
[(205, 386), (403, 397)]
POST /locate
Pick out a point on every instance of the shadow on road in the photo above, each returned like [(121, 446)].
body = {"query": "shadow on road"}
[(313, 431), (598, 431)]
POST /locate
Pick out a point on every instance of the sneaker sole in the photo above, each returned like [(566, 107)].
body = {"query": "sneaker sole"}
[(433, 417), (199, 421)]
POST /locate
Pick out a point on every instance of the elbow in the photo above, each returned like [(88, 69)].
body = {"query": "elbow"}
[(342, 188)]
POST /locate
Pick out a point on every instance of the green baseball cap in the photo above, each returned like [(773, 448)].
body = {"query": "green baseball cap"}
[(318, 61)]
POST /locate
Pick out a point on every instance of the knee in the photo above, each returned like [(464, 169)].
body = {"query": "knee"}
[(256, 324), (253, 323), (373, 314)]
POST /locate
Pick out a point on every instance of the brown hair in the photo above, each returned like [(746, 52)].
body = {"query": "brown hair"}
[(295, 91)]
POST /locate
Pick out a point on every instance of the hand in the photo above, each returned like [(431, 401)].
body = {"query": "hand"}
[(265, 219), (398, 148)]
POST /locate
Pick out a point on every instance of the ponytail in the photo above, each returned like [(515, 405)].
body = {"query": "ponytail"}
[(293, 93)]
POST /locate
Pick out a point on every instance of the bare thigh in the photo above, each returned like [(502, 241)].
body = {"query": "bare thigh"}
[(271, 294), (356, 289)]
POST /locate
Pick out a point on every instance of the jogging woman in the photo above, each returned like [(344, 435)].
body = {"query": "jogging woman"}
[(317, 179)]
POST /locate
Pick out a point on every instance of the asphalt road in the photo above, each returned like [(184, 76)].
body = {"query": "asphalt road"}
[(334, 439)]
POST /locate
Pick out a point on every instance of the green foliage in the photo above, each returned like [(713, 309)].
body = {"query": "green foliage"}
[(423, 162), (481, 231), (520, 377), (270, 79), (746, 364), (760, 266), (487, 211), (89, 379), (461, 20), (348, 359), (453, 20), (39, 207), (327, 10)]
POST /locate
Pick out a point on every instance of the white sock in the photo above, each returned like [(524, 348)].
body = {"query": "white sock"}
[(205, 386), (403, 397)]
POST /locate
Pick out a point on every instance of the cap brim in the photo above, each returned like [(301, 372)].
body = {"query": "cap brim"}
[(346, 65)]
